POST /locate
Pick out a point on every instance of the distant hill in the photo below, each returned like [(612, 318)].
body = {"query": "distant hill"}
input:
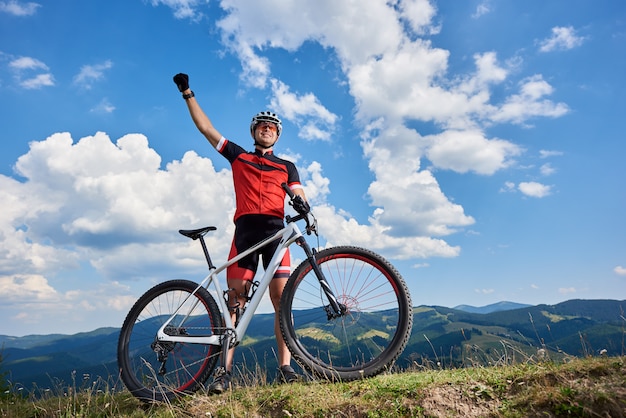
[(449, 337), (573, 328), (494, 307)]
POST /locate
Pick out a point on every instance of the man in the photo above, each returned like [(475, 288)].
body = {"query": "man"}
[(260, 200)]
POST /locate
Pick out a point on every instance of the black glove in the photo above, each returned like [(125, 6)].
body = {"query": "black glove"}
[(300, 205), (182, 81)]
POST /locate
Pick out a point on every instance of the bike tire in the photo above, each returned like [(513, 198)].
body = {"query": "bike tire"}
[(369, 337), (187, 366)]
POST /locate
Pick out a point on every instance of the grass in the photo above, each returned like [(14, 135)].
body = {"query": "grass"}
[(574, 387)]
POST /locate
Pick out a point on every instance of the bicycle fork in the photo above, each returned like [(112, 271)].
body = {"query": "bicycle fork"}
[(334, 309)]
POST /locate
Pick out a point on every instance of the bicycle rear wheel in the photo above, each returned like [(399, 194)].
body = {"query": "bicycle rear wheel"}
[(373, 332), (158, 371)]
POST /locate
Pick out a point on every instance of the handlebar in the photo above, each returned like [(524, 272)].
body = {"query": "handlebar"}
[(303, 209)]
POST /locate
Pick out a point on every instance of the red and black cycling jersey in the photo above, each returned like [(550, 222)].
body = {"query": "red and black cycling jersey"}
[(257, 178)]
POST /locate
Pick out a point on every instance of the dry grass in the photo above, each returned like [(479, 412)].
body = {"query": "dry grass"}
[(590, 387), (578, 387)]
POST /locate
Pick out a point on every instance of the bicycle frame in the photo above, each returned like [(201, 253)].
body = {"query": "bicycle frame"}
[(287, 236)]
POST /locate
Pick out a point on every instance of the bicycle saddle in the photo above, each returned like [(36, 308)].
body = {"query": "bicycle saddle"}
[(196, 233)]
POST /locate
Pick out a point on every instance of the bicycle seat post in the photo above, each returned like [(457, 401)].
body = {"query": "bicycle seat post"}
[(206, 253)]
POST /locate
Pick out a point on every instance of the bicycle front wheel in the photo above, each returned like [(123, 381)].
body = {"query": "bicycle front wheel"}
[(372, 333), (155, 370)]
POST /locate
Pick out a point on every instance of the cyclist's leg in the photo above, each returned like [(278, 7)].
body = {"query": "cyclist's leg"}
[(237, 289), (238, 278), (276, 291), (286, 373)]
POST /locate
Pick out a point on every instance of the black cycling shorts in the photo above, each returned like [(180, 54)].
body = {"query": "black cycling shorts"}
[(249, 230)]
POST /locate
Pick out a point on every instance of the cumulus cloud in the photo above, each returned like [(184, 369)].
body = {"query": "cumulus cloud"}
[(534, 189), (419, 14), (31, 73), (620, 270), (529, 103), (396, 77), (103, 107), (91, 73), (31, 300), (468, 150), (26, 287), (563, 38), (547, 153), (27, 63), (482, 9), (38, 81), (107, 194), (111, 206), (547, 169), (318, 122), (106, 207), (16, 8), (183, 9)]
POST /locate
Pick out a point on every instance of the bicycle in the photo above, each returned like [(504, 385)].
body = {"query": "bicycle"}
[(345, 314)]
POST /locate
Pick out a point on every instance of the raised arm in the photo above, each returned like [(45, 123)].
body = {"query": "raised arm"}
[(202, 121)]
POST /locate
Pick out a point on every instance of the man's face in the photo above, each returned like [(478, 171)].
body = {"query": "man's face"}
[(266, 133)]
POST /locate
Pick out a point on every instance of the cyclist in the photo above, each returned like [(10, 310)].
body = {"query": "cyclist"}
[(257, 179)]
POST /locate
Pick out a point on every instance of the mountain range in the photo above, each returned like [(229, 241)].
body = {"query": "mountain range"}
[(441, 337), (494, 307)]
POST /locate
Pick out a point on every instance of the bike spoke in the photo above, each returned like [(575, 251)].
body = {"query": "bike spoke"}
[(374, 328), (153, 369)]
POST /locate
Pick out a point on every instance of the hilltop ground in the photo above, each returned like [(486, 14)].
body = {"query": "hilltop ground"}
[(593, 387), (588, 387)]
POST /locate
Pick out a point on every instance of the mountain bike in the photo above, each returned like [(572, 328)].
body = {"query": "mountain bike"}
[(345, 314)]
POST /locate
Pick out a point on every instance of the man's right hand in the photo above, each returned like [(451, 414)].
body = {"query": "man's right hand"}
[(182, 81)]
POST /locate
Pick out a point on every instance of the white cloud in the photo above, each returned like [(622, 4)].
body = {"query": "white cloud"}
[(420, 265), (563, 38), (488, 71), (464, 151), (32, 300), (96, 194), (27, 63), (30, 73), (620, 270), (183, 9), (509, 186), (111, 206), (567, 290), (546, 153), (419, 14), (482, 9), (547, 169), (534, 189), (38, 81), (395, 78), (28, 287), (103, 107), (529, 103), (320, 122), (91, 73), (16, 8)]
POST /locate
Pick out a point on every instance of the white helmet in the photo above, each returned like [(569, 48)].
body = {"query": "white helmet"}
[(266, 116)]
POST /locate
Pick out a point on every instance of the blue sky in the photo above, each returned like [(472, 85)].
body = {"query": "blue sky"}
[(478, 145)]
